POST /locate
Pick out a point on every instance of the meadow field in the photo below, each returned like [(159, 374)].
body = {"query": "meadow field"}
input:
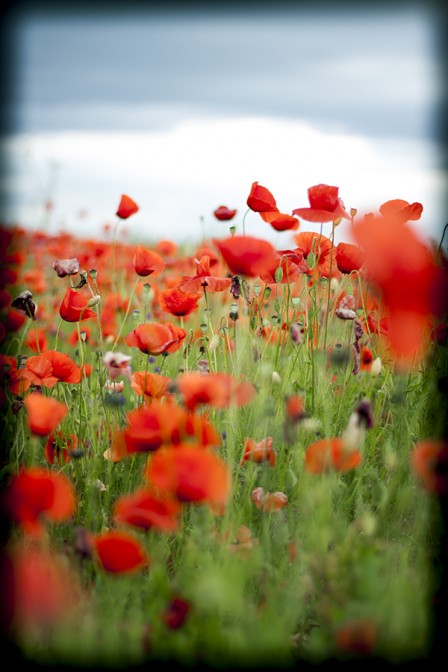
[(225, 454)]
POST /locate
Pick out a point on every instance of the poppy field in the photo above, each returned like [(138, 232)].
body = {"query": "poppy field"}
[(231, 453)]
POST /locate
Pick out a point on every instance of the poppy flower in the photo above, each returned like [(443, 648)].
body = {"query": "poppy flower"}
[(224, 214), (154, 338), (269, 501), (146, 511), (127, 207), (147, 262), (41, 588), (429, 460), (10, 372), (44, 413), (176, 613), (260, 199), (261, 451), (325, 206), (203, 278), (349, 257), (119, 552), (36, 496), (246, 255), (74, 307), (330, 454), (178, 303), (64, 267), (295, 408), (117, 364), (280, 221), (59, 447), (25, 303), (357, 637), (310, 242), (191, 473), (401, 210), (49, 368), (37, 340), (219, 390), (150, 385), (291, 263)]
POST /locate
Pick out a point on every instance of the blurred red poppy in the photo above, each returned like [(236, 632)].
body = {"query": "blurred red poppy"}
[(219, 390), (224, 214), (36, 496), (269, 501), (429, 461), (401, 210), (145, 510), (154, 338), (37, 340), (325, 206), (147, 262), (74, 307), (261, 451), (260, 199), (119, 552), (191, 473), (178, 303), (127, 207), (246, 255), (203, 278), (330, 455), (59, 447), (44, 413), (176, 613), (150, 385)]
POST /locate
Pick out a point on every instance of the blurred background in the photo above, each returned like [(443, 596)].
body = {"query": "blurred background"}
[(183, 106)]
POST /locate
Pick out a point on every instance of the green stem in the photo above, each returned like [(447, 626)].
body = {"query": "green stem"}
[(126, 314)]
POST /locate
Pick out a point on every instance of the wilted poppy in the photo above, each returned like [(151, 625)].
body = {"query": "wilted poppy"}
[(260, 199), (178, 303), (119, 552), (127, 207), (204, 278), (36, 496), (219, 390), (191, 473), (147, 262), (246, 255), (44, 413), (64, 267), (429, 460), (223, 213), (330, 455), (325, 206), (145, 510), (154, 338), (74, 307), (349, 257), (261, 451)]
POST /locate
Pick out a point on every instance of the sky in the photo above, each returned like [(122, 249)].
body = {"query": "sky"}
[(183, 109)]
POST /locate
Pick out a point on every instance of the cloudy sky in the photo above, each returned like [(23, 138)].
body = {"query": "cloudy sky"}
[(183, 109)]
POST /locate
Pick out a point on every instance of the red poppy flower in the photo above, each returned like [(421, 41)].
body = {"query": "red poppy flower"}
[(37, 340), (349, 257), (292, 263), (37, 495), (154, 338), (146, 511), (219, 390), (269, 501), (190, 473), (74, 307), (429, 461), (127, 207), (176, 613), (203, 278), (59, 447), (401, 211), (245, 255), (147, 262), (261, 451), (178, 303), (10, 372), (322, 248), (50, 368), (325, 206), (44, 413), (223, 213), (151, 385), (119, 552), (41, 588), (279, 221), (260, 199), (295, 408), (330, 454)]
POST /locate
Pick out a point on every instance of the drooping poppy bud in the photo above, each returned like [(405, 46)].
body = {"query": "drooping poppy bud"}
[(127, 207)]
